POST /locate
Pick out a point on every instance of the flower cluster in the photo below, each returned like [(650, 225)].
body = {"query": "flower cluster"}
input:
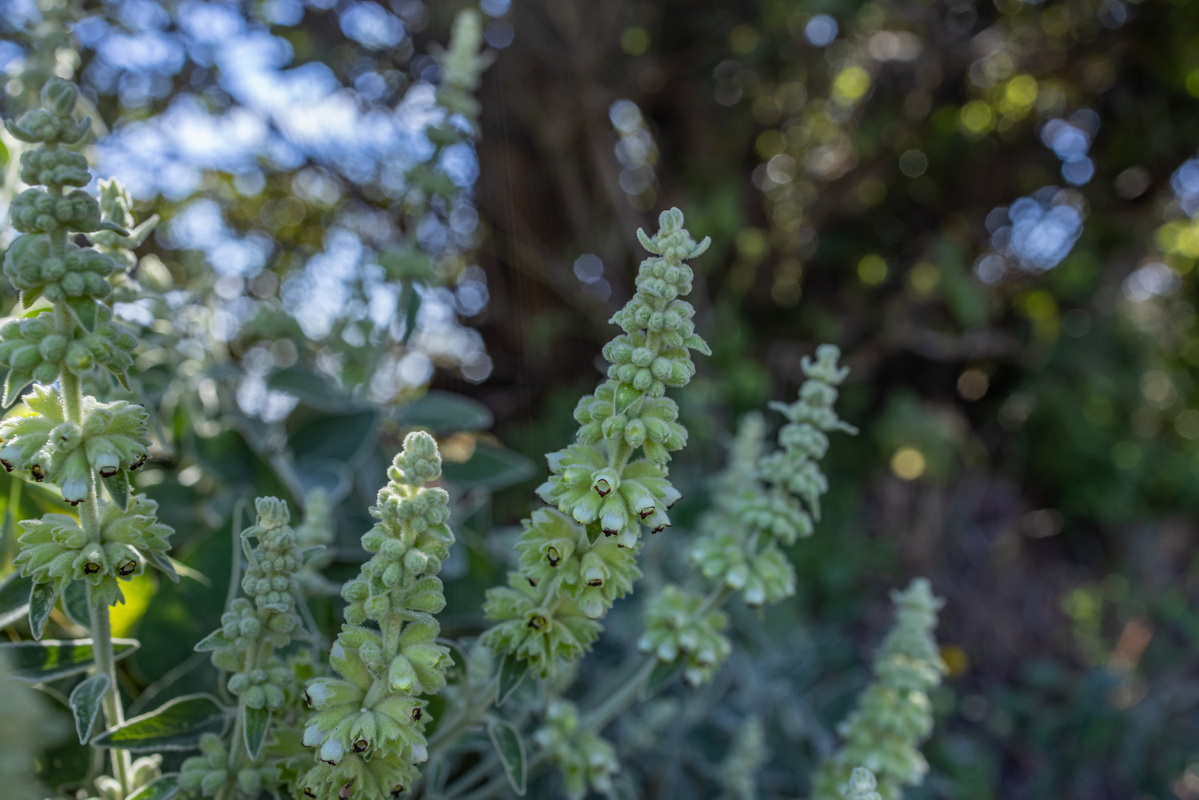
[(43, 347), (761, 502), (209, 772), (587, 761), (57, 550), (575, 561), (368, 721), (109, 438), (680, 624), (778, 502), (894, 714), (252, 630)]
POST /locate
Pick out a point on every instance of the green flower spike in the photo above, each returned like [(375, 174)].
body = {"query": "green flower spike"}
[(576, 561), (679, 625), (587, 761), (893, 715), (368, 720), (768, 501), (112, 438), (207, 773)]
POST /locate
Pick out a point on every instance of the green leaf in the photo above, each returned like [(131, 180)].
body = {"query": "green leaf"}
[(74, 602), (14, 384), (177, 725), (341, 437), (213, 641), (512, 672), (310, 388), (85, 702), (14, 598), (411, 300), (118, 488), (490, 466), (83, 309), (115, 228), (309, 553), (511, 749), (257, 726), (445, 412), (162, 788), (39, 662), (41, 603), (664, 674), (164, 564)]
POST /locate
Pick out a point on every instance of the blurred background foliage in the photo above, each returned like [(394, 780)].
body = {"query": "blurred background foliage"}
[(991, 207)]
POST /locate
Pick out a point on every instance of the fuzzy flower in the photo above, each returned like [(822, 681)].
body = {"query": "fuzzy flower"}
[(893, 715), (569, 576), (111, 438), (587, 761), (543, 636), (56, 550), (593, 573), (368, 720), (679, 628)]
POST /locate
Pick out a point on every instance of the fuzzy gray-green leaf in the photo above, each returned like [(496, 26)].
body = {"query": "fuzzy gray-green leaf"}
[(510, 746), (177, 725), (85, 701)]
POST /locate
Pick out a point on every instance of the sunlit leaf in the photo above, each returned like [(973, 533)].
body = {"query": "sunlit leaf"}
[(177, 725), (38, 662)]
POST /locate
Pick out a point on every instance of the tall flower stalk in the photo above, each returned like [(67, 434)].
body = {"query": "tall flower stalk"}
[(62, 338), (894, 715), (368, 721), (578, 556)]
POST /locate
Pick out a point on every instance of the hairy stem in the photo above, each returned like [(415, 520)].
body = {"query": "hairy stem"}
[(114, 715), (101, 624)]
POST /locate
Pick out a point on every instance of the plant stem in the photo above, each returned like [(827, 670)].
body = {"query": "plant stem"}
[(624, 696), (101, 623), (114, 715)]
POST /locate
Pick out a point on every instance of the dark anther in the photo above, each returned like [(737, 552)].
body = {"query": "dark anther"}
[(36, 472), (308, 698), (128, 567), (108, 472), (139, 462), (603, 488), (346, 791), (91, 568), (397, 790), (645, 512), (76, 502), (308, 792), (532, 582), (538, 622), (659, 529), (610, 532), (596, 582), (553, 556), (417, 714), (361, 745), (7, 466), (672, 502)]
